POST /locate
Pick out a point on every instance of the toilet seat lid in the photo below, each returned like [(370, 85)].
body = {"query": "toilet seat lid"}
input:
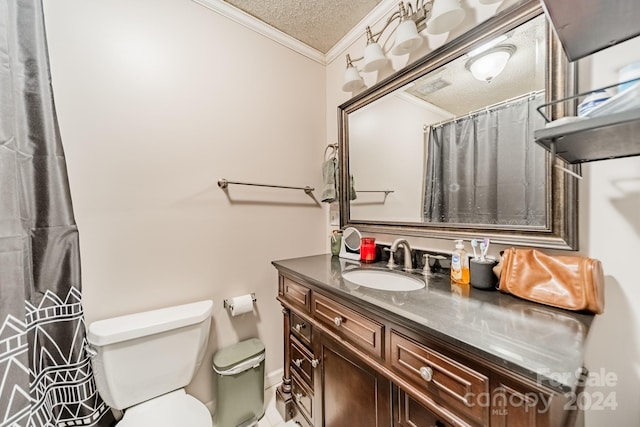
[(173, 409)]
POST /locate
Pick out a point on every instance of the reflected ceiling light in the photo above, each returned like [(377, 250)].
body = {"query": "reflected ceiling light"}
[(488, 45), (352, 79), (412, 19), (488, 65)]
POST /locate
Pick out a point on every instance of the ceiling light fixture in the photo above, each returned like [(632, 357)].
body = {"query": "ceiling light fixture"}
[(438, 16), (488, 65), (488, 45)]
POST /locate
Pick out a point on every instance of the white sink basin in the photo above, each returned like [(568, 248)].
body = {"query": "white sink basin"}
[(383, 280)]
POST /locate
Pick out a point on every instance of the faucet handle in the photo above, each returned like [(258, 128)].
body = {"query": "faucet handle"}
[(391, 263), (426, 268)]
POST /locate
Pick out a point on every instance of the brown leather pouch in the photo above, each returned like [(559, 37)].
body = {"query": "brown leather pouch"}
[(569, 282)]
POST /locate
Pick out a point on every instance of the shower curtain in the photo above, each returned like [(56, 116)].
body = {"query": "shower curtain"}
[(486, 168), (46, 377)]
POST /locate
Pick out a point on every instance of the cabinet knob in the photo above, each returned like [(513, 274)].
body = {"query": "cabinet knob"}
[(300, 326), (426, 373), (337, 321), (315, 363), (297, 362)]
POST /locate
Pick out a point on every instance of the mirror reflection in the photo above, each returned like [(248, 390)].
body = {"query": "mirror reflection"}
[(444, 147), (455, 146)]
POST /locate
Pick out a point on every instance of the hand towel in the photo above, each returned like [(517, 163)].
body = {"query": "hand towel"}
[(352, 189), (329, 191)]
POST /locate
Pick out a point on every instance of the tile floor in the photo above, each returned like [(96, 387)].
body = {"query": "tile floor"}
[(271, 417)]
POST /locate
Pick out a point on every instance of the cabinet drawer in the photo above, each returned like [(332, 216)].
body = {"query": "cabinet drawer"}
[(452, 384), (302, 396), (354, 327), (296, 294), (302, 361), (301, 328)]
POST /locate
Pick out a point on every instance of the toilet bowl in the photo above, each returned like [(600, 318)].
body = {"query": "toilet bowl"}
[(176, 408), (143, 361)]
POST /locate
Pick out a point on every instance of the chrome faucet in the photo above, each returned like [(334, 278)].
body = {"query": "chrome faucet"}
[(408, 264)]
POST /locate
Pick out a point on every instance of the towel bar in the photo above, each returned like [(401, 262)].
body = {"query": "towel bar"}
[(224, 183), (386, 192)]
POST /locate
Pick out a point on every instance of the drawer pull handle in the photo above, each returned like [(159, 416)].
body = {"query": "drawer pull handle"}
[(298, 397), (300, 326), (298, 362), (337, 321), (315, 363), (426, 373)]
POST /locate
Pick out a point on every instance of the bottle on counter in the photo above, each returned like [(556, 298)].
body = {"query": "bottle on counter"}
[(460, 264)]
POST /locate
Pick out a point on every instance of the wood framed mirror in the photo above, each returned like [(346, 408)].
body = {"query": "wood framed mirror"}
[(432, 151)]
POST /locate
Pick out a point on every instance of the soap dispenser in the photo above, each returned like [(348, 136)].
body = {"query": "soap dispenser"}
[(460, 264)]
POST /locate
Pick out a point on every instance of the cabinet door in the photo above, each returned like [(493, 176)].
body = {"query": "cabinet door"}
[(352, 393), (409, 413), (515, 405)]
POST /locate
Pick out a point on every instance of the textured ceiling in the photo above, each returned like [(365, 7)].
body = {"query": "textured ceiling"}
[(524, 73), (319, 24)]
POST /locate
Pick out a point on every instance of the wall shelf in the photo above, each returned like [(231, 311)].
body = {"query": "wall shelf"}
[(584, 30), (597, 138), (588, 26)]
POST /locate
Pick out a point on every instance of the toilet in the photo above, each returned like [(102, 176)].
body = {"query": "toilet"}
[(143, 361)]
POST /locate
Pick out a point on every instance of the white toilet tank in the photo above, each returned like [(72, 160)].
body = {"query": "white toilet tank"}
[(145, 355)]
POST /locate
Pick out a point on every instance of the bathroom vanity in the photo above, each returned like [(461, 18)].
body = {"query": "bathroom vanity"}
[(443, 355)]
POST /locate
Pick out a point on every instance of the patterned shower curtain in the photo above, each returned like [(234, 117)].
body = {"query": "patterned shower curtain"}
[(45, 374)]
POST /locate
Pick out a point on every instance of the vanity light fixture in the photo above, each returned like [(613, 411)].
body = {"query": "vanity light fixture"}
[(352, 79), (445, 15), (437, 16), (489, 64)]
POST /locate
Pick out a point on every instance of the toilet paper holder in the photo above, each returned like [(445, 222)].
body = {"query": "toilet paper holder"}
[(228, 303)]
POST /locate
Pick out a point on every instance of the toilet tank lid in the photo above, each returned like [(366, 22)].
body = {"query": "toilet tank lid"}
[(123, 328)]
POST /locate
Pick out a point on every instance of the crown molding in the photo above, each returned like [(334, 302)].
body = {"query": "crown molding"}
[(377, 14), (254, 24)]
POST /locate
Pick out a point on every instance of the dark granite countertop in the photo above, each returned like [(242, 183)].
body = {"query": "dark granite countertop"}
[(542, 343)]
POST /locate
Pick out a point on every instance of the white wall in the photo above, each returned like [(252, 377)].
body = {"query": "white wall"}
[(385, 137), (610, 231), (609, 221), (157, 100)]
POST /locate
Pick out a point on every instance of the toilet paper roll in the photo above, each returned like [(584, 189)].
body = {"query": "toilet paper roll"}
[(242, 304)]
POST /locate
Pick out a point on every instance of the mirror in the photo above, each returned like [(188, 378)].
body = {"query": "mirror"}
[(444, 148)]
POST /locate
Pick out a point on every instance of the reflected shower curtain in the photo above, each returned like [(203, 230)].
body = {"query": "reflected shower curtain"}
[(486, 168), (46, 377)]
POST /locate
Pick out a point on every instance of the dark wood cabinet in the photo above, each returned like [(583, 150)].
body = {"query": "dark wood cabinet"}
[(514, 404), (345, 366), (449, 383), (352, 393), (409, 413)]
